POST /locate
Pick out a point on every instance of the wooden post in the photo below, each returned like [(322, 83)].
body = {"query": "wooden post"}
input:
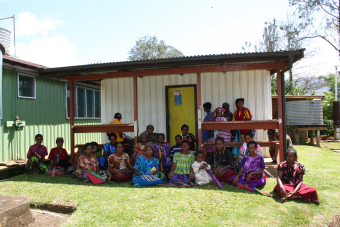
[(311, 138), (199, 112), (280, 156), (73, 162), (135, 109), (318, 137), (297, 136)]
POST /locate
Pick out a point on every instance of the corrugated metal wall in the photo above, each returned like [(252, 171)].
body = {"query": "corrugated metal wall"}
[(218, 87), (304, 112), (45, 115), (252, 85)]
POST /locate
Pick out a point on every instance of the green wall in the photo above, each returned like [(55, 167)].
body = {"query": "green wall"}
[(45, 115)]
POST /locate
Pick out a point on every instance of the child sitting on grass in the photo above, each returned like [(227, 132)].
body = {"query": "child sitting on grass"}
[(181, 165), (200, 168)]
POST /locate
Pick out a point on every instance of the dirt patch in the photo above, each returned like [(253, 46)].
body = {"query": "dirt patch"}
[(335, 222), (57, 206), (325, 137), (43, 219)]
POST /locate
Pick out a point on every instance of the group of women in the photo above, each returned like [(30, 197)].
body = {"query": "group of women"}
[(178, 165)]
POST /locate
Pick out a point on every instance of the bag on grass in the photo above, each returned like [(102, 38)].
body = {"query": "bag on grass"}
[(149, 180)]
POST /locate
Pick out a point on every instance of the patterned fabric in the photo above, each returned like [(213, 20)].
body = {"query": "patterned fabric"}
[(164, 150), (109, 149), (39, 167), (190, 137), (138, 151), (175, 149), (225, 134), (183, 163), (205, 132), (88, 163), (118, 163), (242, 115), (179, 178), (229, 116), (41, 151), (291, 175), (153, 138), (59, 171), (144, 166)]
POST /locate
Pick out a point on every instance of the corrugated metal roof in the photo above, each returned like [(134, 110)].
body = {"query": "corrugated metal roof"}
[(12, 60), (175, 62)]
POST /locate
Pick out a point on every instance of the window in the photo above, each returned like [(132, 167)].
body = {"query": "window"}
[(86, 102), (26, 86)]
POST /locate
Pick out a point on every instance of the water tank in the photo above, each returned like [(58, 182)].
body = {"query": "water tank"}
[(5, 39), (304, 112)]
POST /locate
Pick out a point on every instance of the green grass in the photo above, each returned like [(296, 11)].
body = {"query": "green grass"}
[(124, 205), (331, 145)]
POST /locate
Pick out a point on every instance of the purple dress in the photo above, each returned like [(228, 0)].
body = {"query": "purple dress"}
[(251, 164), (164, 147)]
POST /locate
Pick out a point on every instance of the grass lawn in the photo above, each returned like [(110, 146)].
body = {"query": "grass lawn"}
[(331, 145), (124, 205)]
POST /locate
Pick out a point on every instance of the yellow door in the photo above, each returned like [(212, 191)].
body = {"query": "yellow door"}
[(181, 101)]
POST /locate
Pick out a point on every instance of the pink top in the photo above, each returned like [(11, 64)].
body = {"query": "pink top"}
[(42, 151)]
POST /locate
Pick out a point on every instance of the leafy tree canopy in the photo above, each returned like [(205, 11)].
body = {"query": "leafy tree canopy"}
[(148, 47)]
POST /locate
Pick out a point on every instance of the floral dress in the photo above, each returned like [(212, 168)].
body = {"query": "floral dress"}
[(144, 167), (119, 164), (86, 163), (138, 151), (291, 178)]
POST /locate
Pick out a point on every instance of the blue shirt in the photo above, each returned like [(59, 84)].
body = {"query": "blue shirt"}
[(205, 132), (109, 149)]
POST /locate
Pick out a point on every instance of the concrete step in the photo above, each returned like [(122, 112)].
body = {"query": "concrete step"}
[(15, 211)]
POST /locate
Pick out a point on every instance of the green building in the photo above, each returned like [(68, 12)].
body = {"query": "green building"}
[(42, 106)]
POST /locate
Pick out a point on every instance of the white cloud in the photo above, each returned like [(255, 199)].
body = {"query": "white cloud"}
[(28, 24), (54, 51)]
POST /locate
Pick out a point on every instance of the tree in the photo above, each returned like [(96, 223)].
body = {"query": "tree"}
[(326, 12), (330, 82), (148, 47)]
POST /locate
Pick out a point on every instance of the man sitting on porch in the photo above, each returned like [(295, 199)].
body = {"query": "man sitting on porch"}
[(120, 136)]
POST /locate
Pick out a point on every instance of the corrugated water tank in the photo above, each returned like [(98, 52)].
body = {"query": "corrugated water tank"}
[(304, 112)]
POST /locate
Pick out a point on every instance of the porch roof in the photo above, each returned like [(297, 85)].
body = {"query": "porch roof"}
[(176, 62)]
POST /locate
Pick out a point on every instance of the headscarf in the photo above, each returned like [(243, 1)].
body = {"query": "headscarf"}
[(144, 134), (150, 144), (207, 104)]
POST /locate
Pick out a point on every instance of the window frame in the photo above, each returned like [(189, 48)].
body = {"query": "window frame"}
[(75, 89), (35, 86)]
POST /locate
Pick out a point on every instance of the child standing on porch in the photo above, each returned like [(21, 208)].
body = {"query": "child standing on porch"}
[(162, 154)]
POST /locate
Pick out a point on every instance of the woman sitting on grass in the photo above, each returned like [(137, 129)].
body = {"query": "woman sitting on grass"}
[(181, 166), (109, 148), (36, 157), (252, 166), (59, 156), (243, 151), (119, 166), (87, 161), (140, 147), (221, 161), (289, 181), (146, 164)]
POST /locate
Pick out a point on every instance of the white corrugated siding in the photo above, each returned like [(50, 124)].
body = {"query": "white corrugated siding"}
[(252, 85), (218, 87)]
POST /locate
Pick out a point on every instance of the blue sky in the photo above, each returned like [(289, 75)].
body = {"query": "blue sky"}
[(60, 33)]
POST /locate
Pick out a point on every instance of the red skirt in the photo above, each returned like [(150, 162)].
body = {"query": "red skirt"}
[(306, 193), (226, 176), (125, 178)]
